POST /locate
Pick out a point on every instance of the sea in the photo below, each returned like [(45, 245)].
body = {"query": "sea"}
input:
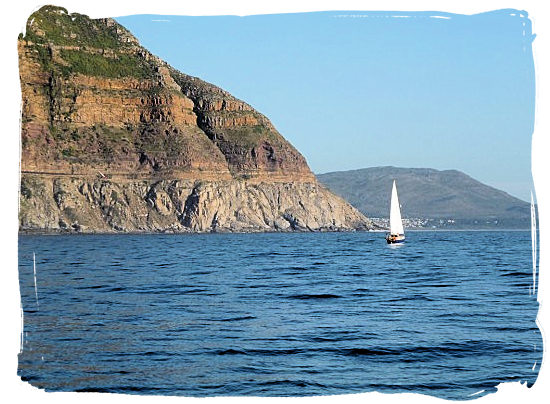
[(446, 314)]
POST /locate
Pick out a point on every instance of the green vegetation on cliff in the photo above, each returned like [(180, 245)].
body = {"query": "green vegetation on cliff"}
[(54, 25), (92, 47), (92, 64)]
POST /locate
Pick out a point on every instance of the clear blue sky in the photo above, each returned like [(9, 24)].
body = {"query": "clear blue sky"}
[(361, 89)]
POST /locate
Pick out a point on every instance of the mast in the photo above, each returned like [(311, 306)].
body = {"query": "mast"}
[(396, 225)]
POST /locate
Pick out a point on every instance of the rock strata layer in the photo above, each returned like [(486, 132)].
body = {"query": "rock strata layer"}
[(115, 139)]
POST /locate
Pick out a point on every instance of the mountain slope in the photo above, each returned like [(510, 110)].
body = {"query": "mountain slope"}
[(115, 139), (429, 194)]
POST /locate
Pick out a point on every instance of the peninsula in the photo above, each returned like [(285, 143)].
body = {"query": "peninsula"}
[(116, 140)]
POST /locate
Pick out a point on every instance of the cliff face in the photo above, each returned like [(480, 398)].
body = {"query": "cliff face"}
[(87, 205), (115, 139)]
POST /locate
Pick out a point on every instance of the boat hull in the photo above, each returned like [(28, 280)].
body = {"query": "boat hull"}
[(395, 239)]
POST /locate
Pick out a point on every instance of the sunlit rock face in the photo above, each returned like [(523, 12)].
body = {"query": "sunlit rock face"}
[(115, 139)]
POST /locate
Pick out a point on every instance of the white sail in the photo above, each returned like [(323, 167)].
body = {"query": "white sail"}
[(396, 225)]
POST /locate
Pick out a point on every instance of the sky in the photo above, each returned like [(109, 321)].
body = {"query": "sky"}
[(362, 89)]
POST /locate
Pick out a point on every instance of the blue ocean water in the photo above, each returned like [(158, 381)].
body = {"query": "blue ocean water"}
[(448, 314)]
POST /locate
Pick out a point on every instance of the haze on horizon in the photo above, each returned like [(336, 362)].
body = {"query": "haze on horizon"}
[(362, 89)]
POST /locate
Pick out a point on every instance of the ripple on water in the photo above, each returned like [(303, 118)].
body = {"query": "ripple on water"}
[(278, 314)]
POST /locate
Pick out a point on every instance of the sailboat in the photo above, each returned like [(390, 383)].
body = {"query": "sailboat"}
[(397, 234)]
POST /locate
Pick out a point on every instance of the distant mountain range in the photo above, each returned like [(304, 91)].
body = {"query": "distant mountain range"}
[(429, 198)]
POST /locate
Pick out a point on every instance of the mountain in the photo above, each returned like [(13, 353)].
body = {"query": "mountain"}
[(446, 198), (115, 139)]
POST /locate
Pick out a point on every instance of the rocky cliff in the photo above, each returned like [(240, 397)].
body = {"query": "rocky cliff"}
[(115, 139)]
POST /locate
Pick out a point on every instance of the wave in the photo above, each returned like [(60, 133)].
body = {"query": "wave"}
[(125, 389), (460, 349), (288, 382), (451, 349), (515, 273), (314, 296), (237, 318), (413, 297)]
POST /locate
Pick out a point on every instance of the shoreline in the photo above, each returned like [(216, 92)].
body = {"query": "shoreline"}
[(135, 233)]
